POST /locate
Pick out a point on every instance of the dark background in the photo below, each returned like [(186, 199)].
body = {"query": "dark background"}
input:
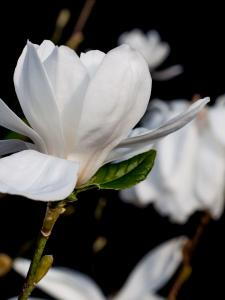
[(196, 36)]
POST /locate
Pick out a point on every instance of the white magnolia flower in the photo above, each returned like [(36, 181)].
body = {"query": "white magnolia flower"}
[(154, 51), (150, 274), (189, 172), (80, 112)]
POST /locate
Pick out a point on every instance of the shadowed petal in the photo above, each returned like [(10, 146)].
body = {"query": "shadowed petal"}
[(210, 174), (168, 73), (153, 271), (11, 121), (216, 117), (37, 100), (69, 80), (37, 176), (12, 146)]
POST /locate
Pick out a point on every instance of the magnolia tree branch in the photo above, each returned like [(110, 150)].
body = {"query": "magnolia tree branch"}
[(38, 268), (62, 20), (188, 252), (77, 35)]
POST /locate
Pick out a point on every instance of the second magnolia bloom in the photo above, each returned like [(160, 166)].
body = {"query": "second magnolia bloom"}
[(81, 112), (189, 172)]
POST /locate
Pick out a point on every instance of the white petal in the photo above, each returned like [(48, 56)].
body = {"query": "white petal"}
[(210, 174), (158, 50), (158, 112), (137, 40), (153, 37), (153, 271), (129, 195), (171, 182), (120, 153), (152, 297), (10, 120), (45, 49), (37, 176), (67, 75), (134, 145), (69, 80), (172, 179), (168, 73), (220, 101), (64, 284), (158, 55), (37, 99), (216, 116), (92, 60), (12, 146), (116, 99)]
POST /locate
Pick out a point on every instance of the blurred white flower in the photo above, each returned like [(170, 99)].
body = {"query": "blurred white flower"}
[(189, 172), (154, 51), (80, 111), (150, 274)]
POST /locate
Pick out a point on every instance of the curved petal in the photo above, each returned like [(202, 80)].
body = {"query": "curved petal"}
[(216, 117), (153, 38), (64, 284), (11, 121), (156, 114), (220, 101), (37, 100), (92, 60), (158, 50), (172, 180), (135, 145), (137, 40), (210, 174), (37, 176), (153, 271), (118, 153), (69, 80), (115, 101), (168, 73), (12, 146), (158, 55)]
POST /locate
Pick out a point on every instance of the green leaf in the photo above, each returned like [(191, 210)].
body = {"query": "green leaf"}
[(15, 135), (123, 175)]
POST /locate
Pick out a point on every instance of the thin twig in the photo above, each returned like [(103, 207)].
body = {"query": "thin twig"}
[(188, 252), (77, 35), (61, 21)]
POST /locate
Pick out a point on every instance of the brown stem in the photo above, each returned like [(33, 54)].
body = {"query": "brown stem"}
[(77, 35), (188, 252)]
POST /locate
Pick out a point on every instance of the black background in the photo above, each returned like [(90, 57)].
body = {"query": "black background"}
[(196, 36)]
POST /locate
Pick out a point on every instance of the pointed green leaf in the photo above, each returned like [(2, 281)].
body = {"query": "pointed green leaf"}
[(125, 174)]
